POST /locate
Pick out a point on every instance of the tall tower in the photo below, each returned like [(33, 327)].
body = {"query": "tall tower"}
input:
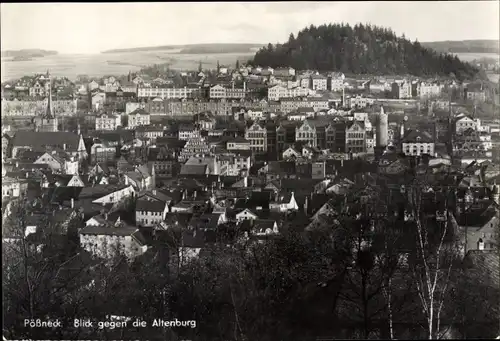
[(48, 122), (382, 129)]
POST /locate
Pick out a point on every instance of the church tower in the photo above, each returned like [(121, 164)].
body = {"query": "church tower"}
[(48, 122)]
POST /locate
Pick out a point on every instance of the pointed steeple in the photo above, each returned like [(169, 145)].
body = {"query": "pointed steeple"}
[(48, 112)]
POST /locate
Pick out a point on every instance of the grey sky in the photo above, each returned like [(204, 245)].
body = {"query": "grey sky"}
[(94, 27)]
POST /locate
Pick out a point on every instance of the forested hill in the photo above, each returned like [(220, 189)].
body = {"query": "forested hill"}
[(363, 49)]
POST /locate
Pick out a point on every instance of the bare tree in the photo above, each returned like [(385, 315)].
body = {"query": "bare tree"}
[(434, 257)]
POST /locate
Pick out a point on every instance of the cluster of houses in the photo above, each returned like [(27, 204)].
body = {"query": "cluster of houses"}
[(219, 159)]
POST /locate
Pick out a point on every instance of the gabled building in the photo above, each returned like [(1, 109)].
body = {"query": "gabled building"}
[(138, 117), (416, 143), (306, 133), (355, 137), (71, 143), (257, 135)]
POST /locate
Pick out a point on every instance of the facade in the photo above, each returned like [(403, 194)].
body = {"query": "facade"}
[(107, 122), (217, 92), (319, 82), (355, 137), (107, 241), (277, 92), (257, 136), (337, 81), (167, 92), (195, 146), (464, 123), (306, 133), (429, 90), (416, 143), (101, 152), (138, 117), (360, 102)]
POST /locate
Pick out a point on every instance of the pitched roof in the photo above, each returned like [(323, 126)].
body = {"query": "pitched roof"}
[(412, 136), (41, 139)]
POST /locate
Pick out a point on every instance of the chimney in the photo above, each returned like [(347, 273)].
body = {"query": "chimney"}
[(184, 195), (64, 146), (72, 203), (17, 164), (245, 181), (244, 86), (27, 175), (306, 206), (106, 216), (195, 195)]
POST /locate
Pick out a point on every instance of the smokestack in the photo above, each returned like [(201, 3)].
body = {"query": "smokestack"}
[(72, 203), (244, 86), (306, 205), (245, 181)]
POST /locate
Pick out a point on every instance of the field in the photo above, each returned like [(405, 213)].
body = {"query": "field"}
[(98, 65)]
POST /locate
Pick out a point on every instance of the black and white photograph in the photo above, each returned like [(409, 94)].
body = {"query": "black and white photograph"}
[(250, 171)]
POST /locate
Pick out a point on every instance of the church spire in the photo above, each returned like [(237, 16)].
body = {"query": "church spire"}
[(48, 112)]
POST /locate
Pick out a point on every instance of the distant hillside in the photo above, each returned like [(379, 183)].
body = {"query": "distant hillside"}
[(193, 48), (28, 53), (362, 49), (465, 46)]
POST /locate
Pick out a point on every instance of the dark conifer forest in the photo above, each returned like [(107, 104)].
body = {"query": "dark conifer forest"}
[(364, 49)]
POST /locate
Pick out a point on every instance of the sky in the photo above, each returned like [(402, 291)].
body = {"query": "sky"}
[(95, 27)]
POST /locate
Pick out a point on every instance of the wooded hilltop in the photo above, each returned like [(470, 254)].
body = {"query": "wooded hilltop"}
[(364, 49)]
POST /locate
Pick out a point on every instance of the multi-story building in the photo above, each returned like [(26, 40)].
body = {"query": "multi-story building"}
[(278, 92), (463, 123), (292, 104), (337, 81), (360, 101), (138, 117), (416, 143), (150, 132), (195, 146), (429, 90), (472, 140), (236, 93), (402, 90), (257, 135), (107, 122), (217, 92), (168, 92), (355, 137), (100, 151), (319, 82), (232, 164), (187, 131), (41, 86), (306, 133)]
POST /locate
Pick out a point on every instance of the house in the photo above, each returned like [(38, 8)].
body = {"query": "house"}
[(290, 153), (102, 152), (480, 227), (13, 187), (257, 135), (310, 152), (337, 81), (319, 82), (108, 122), (285, 202), (217, 92), (416, 143), (245, 214), (71, 143), (306, 133), (187, 131), (463, 123), (106, 239), (151, 208), (138, 117), (141, 178), (59, 162), (284, 72), (237, 143), (355, 137)]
